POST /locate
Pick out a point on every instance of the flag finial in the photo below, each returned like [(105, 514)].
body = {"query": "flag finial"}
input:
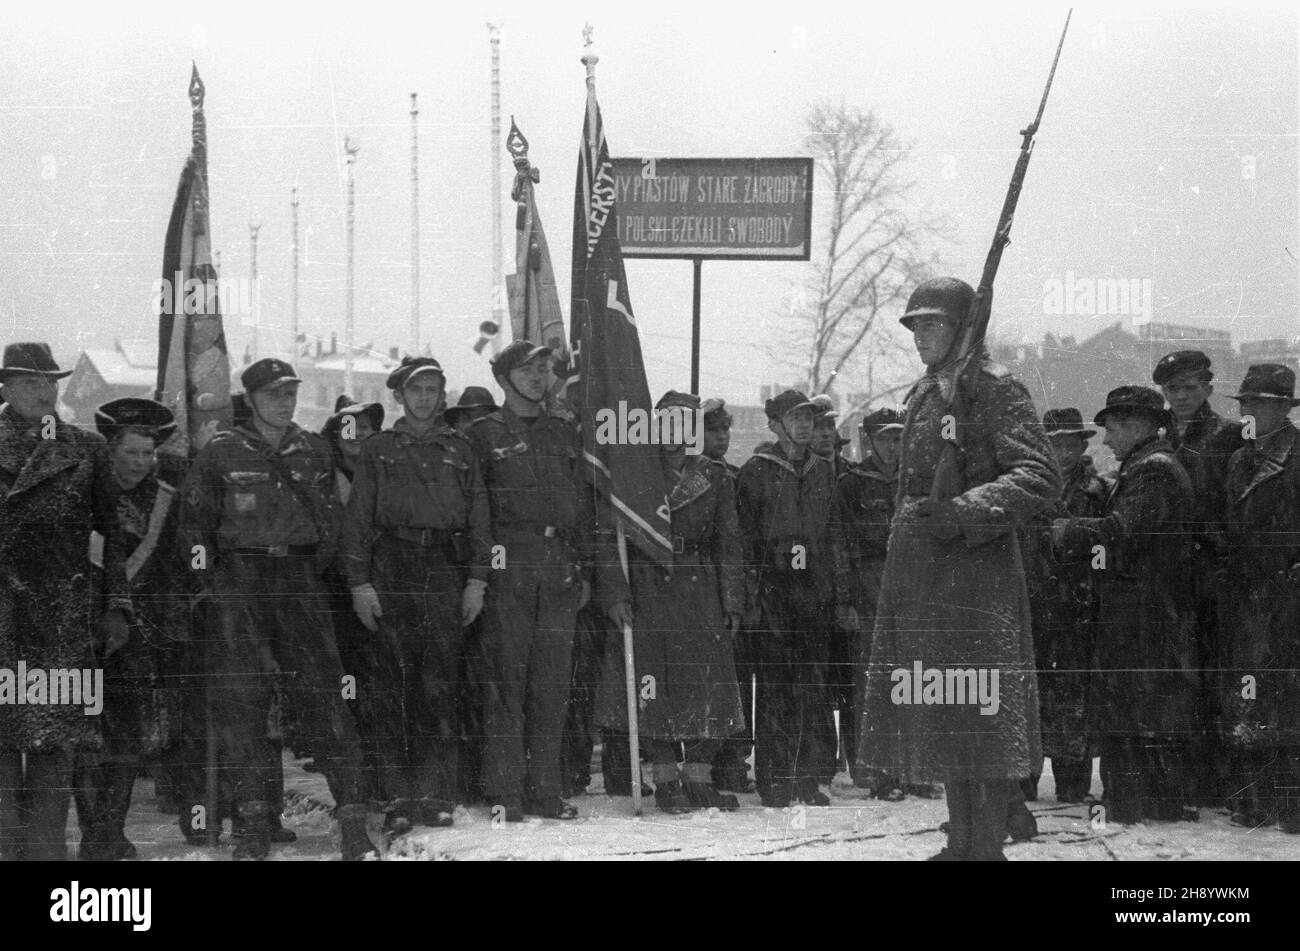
[(589, 58), (196, 86)]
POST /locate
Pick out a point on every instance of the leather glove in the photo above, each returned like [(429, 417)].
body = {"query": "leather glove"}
[(365, 602), (939, 519), (114, 631), (471, 601)]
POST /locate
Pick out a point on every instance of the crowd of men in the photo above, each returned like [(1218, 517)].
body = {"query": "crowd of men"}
[(434, 611)]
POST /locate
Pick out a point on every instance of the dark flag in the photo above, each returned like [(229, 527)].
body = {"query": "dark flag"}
[(193, 363), (606, 352)]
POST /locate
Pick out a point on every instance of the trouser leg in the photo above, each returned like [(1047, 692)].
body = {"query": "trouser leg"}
[(48, 789), (773, 765), (958, 794), (548, 685), (988, 811), (507, 632)]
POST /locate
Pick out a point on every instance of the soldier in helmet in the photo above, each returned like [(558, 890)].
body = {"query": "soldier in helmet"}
[(1144, 684), (953, 599), (543, 526), (415, 540), (1203, 442), (259, 525), (790, 523), (1261, 567)]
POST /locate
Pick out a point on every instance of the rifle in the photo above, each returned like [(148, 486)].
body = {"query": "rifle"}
[(948, 481)]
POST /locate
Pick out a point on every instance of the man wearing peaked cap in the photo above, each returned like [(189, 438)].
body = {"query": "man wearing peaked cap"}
[(55, 488), (1203, 444), (1260, 565), (1143, 689), (1063, 607), (791, 528), (543, 519), (415, 552), (259, 505)]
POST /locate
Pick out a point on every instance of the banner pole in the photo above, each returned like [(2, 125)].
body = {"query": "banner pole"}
[(629, 671), (695, 328)]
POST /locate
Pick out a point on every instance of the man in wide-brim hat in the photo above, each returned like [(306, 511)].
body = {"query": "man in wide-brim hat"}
[(1261, 567), (1144, 683), (54, 489), (475, 402)]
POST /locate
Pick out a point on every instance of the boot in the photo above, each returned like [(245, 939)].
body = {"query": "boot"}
[(988, 817), (700, 791), (958, 824), (671, 798), (356, 845), (253, 836), (278, 834), (1029, 787), (116, 804), (1021, 824)]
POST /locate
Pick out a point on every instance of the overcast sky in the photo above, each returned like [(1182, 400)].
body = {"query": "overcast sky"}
[(1168, 154)]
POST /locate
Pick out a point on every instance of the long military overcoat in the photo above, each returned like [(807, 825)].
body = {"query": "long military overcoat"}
[(960, 606)]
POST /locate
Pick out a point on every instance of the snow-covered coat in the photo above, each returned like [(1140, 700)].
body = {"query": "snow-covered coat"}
[(962, 604)]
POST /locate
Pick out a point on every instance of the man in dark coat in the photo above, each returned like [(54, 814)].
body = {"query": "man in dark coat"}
[(684, 621), (1144, 683), (1203, 442), (54, 491), (790, 523), (951, 693), (543, 530), (415, 541), (1261, 620), (1063, 604), (867, 496), (259, 524)]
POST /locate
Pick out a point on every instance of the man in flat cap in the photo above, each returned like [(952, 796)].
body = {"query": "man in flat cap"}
[(867, 495), (543, 524), (415, 539), (55, 489), (790, 524), (1062, 601), (1260, 567), (953, 596), (1203, 443), (259, 525), (1144, 680)]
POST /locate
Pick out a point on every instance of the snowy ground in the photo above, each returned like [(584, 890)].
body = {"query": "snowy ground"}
[(851, 828)]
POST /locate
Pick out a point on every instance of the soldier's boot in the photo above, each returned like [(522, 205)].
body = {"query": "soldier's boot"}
[(356, 844), (117, 803), (988, 818), (958, 824), (701, 792), (1021, 824), (253, 831)]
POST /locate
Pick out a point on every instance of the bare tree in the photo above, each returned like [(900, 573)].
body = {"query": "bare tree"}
[(874, 248)]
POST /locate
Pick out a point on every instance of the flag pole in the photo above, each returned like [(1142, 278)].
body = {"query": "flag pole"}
[(415, 228), (498, 287), (629, 671), (293, 308), (351, 146)]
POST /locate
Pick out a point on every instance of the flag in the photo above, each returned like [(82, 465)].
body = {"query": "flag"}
[(193, 363), (535, 313), (606, 352)]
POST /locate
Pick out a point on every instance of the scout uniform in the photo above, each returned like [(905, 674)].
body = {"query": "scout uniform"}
[(414, 531), (258, 526), (543, 517)]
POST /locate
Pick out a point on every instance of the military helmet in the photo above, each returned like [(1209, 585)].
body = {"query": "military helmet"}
[(939, 296)]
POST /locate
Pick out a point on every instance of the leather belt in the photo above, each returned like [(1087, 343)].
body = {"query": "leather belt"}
[(276, 551), (526, 528), (424, 537)]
